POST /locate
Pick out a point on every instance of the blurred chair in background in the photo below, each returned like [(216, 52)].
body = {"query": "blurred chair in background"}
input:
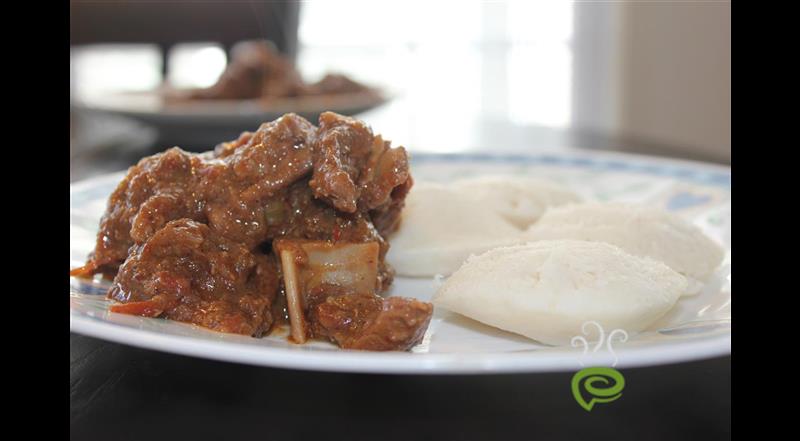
[(167, 24)]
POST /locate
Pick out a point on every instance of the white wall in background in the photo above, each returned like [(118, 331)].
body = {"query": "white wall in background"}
[(540, 62), (596, 66), (676, 75)]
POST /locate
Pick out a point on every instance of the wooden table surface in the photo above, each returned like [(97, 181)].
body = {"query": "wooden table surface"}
[(119, 392)]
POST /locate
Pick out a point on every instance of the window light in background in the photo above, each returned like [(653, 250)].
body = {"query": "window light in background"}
[(195, 64), (102, 68), (540, 62), (510, 60)]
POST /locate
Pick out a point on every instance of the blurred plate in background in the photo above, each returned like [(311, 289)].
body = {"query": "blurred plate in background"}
[(191, 124)]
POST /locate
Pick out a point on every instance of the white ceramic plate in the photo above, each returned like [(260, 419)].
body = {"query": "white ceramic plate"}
[(697, 327)]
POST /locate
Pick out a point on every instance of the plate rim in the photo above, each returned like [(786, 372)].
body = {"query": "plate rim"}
[(549, 360)]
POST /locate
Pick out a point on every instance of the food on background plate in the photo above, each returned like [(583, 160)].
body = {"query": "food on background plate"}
[(333, 84), (443, 224), (640, 230), (219, 239), (258, 70), (547, 290)]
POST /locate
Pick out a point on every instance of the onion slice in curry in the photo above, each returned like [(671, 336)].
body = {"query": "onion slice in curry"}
[(308, 264)]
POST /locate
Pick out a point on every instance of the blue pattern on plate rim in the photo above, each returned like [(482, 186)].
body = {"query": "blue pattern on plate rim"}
[(685, 199), (714, 178)]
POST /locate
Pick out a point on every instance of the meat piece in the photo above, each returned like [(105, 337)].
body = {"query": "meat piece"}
[(385, 183), (342, 148), (366, 321), (305, 217), (186, 272), (386, 217), (156, 190), (224, 149), (354, 169), (239, 188), (276, 155), (385, 170)]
